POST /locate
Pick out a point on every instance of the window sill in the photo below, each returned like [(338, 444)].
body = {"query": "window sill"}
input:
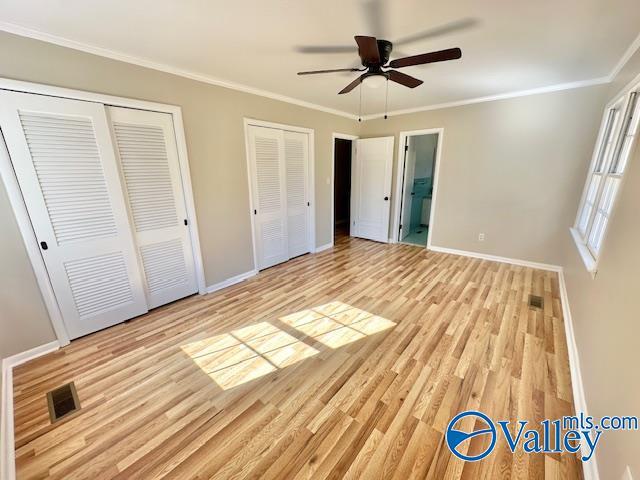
[(589, 262)]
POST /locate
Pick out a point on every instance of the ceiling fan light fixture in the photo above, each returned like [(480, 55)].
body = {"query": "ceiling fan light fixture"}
[(374, 81)]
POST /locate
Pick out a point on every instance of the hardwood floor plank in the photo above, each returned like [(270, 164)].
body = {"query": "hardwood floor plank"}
[(349, 363)]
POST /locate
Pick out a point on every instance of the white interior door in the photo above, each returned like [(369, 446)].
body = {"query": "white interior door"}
[(296, 152), (407, 198), (64, 161), (269, 196), (146, 145), (371, 190)]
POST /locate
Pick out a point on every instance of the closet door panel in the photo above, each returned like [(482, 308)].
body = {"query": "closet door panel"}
[(148, 155), (63, 158), (296, 148), (268, 179)]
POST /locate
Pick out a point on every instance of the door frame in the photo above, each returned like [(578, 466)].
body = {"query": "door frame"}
[(252, 122), (20, 210), (343, 136), (404, 135)]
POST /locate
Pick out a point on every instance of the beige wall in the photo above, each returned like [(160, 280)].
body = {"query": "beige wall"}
[(513, 169), (510, 169), (24, 322), (605, 314), (213, 118)]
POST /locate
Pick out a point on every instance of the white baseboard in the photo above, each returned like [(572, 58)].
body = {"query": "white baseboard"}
[(7, 451), (231, 281), (589, 468), (495, 258), (23, 357), (324, 247)]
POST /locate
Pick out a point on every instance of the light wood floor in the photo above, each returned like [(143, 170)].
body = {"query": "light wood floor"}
[(348, 363)]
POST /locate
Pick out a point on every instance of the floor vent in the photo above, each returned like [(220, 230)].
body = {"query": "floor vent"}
[(62, 401), (536, 301)]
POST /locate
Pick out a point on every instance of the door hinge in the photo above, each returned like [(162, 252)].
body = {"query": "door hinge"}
[(186, 222), (400, 229), (255, 212), (406, 147), (308, 204)]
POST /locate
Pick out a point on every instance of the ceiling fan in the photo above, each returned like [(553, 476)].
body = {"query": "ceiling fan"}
[(375, 54)]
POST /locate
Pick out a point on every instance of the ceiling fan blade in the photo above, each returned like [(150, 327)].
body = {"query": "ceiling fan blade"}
[(439, 56), (403, 79), (440, 30), (351, 86), (313, 72), (368, 49)]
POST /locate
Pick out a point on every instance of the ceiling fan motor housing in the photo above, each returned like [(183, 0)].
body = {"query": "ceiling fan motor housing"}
[(384, 47)]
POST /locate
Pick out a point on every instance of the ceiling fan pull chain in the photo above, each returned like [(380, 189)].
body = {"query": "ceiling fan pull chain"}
[(386, 100), (360, 108)]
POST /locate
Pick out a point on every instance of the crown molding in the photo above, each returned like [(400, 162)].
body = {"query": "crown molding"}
[(492, 98), (114, 55), (625, 58), (142, 62)]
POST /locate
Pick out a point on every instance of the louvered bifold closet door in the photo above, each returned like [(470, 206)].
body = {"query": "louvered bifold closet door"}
[(63, 157), (296, 152), (268, 179), (146, 145)]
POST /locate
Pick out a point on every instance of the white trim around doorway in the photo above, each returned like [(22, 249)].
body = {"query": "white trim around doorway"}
[(400, 177), (20, 211), (334, 136)]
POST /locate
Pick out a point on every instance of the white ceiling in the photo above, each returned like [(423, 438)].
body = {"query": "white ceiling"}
[(508, 45)]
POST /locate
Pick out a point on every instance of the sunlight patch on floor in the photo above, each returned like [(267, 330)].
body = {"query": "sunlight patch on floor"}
[(245, 354), (336, 324), (248, 353)]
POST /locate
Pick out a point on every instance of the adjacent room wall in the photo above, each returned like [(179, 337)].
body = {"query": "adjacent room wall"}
[(425, 146), (510, 169), (605, 311), (213, 118)]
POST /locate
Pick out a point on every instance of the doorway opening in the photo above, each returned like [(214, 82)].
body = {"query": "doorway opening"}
[(342, 161), (418, 181)]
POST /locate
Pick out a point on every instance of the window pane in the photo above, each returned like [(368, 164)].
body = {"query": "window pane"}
[(621, 163), (607, 139), (603, 212), (629, 130), (608, 195), (597, 233), (589, 202)]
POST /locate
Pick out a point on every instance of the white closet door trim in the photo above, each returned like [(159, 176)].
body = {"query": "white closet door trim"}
[(20, 210), (311, 189)]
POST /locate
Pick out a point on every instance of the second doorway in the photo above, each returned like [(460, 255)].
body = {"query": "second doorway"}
[(420, 158)]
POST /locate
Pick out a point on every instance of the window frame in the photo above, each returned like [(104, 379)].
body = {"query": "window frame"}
[(619, 125)]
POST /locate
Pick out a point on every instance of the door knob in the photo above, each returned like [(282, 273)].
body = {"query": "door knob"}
[(386, 198), (44, 245)]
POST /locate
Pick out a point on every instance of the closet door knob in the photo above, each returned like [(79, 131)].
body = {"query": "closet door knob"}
[(44, 245), (386, 199)]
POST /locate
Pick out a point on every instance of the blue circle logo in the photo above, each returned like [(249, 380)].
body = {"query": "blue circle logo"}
[(456, 438)]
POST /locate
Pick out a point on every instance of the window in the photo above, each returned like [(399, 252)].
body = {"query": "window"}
[(611, 156)]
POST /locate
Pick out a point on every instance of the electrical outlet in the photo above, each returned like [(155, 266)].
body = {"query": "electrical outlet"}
[(481, 237)]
